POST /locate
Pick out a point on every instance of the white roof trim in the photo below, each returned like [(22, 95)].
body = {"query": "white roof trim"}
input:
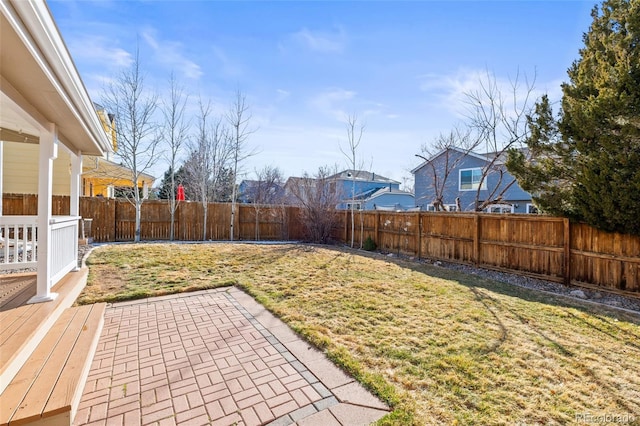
[(33, 24)]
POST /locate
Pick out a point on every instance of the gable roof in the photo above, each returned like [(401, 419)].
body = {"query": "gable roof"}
[(362, 175), (482, 157), (384, 191)]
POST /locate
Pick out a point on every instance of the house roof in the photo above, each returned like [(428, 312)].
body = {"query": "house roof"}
[(40, 83), (362, 175), (482, 157), (385, 191), (98, 167)]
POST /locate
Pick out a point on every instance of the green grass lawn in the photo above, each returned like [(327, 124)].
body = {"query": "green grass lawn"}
[(440, 346)]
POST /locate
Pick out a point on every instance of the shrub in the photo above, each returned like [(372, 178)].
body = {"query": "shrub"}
[(369, 244)]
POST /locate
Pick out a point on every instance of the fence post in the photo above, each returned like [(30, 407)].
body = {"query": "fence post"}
[(419, 239), (476, 239), (376, 229), (115, 219), (567, 252), (346, 226)]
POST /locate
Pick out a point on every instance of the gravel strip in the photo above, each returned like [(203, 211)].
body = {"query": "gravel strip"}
[(594, 296)]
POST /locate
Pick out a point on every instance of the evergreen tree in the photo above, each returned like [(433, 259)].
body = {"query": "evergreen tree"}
[(586, 164), (180, 178)]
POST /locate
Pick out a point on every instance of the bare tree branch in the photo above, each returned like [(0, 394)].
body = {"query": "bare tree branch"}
[(137, 134), (499, 126), (175, 135), (238, 118)]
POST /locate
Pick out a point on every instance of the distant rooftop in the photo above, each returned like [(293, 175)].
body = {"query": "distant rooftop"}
[(362, 175)]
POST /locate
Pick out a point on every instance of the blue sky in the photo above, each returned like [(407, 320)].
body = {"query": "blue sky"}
[(401, 67)]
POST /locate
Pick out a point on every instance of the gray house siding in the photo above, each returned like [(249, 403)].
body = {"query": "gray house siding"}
[(425, 192)]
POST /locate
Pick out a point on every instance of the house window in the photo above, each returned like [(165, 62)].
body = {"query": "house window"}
[(356, 206), (532, 209), (470, 179), (451, 207), (499, 208), (430, 208)]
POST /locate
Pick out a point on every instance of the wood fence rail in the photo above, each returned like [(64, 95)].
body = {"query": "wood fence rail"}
[(544, 247)]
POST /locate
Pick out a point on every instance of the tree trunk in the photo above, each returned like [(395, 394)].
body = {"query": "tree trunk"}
[(204, 221), (138, 210)]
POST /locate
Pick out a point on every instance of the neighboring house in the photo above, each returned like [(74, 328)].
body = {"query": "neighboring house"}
[(251, 191), (358, 187), (100, 177), (104, 178), (389, 200), (46, 108), (452, 178), (297, 190)]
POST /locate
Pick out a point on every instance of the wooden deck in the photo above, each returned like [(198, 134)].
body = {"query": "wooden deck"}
[(44, 350), (16, 290), (48, 387)]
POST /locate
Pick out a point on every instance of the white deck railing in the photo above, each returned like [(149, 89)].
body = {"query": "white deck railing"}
[(64, 246), (18, 242)]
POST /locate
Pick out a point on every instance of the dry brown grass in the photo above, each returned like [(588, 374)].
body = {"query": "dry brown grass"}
[(442, 347)]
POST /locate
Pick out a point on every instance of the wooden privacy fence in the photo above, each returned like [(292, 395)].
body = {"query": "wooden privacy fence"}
[(545, 247), (114, 220)]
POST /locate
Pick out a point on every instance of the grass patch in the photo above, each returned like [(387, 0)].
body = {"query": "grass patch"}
[(438, 345)]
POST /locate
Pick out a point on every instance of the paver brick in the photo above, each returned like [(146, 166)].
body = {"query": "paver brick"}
[(202, 358)]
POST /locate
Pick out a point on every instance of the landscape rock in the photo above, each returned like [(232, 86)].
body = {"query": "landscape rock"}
[(578, 293)]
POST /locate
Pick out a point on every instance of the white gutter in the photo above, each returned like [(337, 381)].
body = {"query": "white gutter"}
[(46, 46)]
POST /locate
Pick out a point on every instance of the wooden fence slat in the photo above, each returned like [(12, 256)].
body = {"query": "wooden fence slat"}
[(540, 246)]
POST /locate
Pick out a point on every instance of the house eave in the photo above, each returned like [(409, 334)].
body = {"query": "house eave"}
[(43, 78)]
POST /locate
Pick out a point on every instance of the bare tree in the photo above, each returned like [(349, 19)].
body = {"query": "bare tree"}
[(317, 196), (209, 155), (354, 138), (133, 107), (451, 149), (175, 134), (238, 118), (265, 190), (500, 123)]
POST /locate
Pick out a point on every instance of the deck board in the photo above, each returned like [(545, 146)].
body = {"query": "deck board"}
[(22, 383), (48, 387), (76, 370), (24, 327), (42, 387), (16, 290)]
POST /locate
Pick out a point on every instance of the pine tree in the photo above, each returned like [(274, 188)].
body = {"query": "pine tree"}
[(180, 178), (594, 146)]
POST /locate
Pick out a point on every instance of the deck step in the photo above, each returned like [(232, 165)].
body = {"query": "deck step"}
[(48, 387), (24, 326)]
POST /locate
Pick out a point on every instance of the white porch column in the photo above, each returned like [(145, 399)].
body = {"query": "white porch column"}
[(48, 153), (76, 171), (1, 173), (74, 199)]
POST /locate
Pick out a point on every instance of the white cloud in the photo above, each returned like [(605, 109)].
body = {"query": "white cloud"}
[(333, 102), (319, 41), (452, 91), (282, 94), (227, 66), (100, 50), (171, 55)]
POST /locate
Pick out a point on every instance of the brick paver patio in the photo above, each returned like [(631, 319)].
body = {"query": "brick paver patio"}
[(214, 357)]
